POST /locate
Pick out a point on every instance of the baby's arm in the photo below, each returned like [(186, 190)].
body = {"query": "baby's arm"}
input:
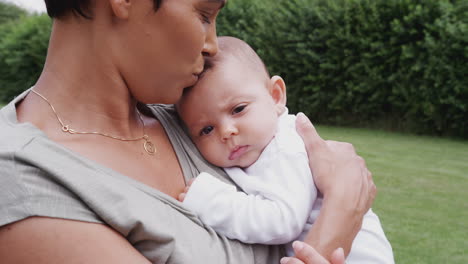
[(273, 212)]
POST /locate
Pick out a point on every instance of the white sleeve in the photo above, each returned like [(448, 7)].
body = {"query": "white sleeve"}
[(275, 209), (370, 245)]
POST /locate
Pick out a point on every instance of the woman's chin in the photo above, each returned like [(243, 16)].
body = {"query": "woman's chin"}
[(164, 98)]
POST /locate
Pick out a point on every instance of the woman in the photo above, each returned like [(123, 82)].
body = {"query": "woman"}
[(90, 176)]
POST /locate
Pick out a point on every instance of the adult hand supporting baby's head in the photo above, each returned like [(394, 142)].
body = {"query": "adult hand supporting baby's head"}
[(345, 182)]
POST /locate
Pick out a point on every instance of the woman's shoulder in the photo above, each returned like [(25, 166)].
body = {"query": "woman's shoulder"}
[(27, 186), (14, 135)]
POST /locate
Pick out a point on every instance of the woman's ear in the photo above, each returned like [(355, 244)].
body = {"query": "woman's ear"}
[(278, 93), (121, 8)]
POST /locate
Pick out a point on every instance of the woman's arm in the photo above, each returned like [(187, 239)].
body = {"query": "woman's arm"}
[(52, 240), (341, 175)]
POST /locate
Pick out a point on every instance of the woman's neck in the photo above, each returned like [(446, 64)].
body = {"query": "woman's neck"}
[(84, 85)]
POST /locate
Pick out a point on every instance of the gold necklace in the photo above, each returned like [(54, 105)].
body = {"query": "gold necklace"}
[(147, 145)]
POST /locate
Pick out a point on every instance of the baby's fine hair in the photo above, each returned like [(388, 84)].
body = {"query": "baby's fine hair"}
[(234, 48)]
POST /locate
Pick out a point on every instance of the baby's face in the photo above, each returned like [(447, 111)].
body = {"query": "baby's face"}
[(231, 116)]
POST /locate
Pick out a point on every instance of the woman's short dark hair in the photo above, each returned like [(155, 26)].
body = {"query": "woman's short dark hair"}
[(59, 8)]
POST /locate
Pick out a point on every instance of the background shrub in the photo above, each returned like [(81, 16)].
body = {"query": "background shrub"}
[(23, 48), (398, 64), (394, 64), (9, 12)]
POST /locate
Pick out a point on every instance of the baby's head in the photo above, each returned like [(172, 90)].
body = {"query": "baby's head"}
[(232, 112)]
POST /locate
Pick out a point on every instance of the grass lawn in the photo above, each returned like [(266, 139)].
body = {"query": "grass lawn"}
[(422, 196)]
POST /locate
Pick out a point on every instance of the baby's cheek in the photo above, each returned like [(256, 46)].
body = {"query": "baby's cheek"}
[(250, 159), (211, 153)]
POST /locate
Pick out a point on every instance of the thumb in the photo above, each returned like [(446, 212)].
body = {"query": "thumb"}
[(338, 257), (308, 132), (307, 253)]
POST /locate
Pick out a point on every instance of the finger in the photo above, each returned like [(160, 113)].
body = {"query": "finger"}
[(348, 147), (181, 197), (362, 162), (371, 181), (288, 260), (372, 187), (338, 257), (365, 200), (190, 181), (308, 132), (308, 254), (368, 190), (344, 148), (332, 143)]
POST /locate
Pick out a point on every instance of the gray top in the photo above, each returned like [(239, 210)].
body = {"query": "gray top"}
[(39, 177)]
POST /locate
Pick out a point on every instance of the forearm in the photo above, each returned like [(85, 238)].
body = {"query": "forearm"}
[(273, 217), (53, 240), (342, 176), (336, 226), (371, 245)]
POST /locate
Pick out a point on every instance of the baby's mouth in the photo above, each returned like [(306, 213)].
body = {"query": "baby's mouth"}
[(238, 151)]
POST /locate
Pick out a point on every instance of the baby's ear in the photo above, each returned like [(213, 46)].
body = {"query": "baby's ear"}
[(278, 93)]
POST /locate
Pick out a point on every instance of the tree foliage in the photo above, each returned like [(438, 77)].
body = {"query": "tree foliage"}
[(9, 12), (394, 63), (23, 48)]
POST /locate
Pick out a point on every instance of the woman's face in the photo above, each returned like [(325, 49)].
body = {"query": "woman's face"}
[(162, 52)]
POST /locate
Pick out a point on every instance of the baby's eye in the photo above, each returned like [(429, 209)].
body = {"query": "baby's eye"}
[(206, 130), (238, 109)]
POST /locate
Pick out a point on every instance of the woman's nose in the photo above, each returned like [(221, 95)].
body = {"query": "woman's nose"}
[(210, 47)]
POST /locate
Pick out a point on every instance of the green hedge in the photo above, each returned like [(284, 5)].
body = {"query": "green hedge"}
[(23, 48), (395, 64), (10, 12), (386, 63)]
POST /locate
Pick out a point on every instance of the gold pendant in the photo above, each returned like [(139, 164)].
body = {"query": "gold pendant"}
[(149, 146)]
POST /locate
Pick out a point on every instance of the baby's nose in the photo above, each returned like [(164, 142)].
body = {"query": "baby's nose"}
[(229, 131)]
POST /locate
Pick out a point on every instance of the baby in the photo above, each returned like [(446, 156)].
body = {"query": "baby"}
[(237, 117)]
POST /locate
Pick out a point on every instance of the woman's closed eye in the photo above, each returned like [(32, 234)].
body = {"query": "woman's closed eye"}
[(206, 16), (206, 130), (238, 109), (208, 10)]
